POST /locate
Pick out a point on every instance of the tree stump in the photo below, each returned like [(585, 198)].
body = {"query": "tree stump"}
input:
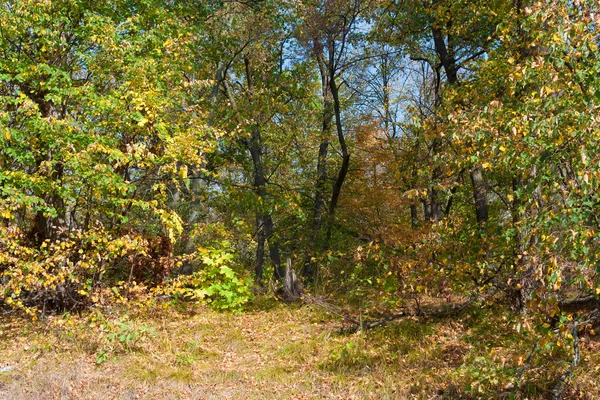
[(292, 287)]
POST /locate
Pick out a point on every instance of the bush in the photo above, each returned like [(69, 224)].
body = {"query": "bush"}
[(215, 281)]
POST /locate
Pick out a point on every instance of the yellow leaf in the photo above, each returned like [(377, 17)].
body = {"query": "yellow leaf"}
[(183, 172), (556, 38)]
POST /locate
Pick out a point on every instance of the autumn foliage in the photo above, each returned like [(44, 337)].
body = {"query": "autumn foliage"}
[(397, 152)]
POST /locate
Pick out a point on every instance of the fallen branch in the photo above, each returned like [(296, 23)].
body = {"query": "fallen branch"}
[(328, 307), (565, 378), (363, 325), (579, 304), (512, 387), (561, 385)]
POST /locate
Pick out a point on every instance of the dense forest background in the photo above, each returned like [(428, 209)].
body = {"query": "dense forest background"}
[(399, 153)]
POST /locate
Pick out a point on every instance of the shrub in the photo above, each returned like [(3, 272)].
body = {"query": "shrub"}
[(215, 281)]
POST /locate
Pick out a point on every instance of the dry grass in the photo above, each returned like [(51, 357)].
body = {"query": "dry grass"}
[(274, 352)]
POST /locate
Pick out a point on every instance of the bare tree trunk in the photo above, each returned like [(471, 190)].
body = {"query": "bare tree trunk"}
[(436, 206), (337, 187), (278, 272), (309, 267), (292, 288), (265, 229), (445, 51), (44, 225), (320, 188), (519, 248), (526, 260), (260, 250), (414, 215), (267, 221), (480, 195), (292, 284), (426, 209)]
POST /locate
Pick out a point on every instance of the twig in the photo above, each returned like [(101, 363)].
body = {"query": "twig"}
[(525, 366), (561, 385), (328, 307), (565, 378)]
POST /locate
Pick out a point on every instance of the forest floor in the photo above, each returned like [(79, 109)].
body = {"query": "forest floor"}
[(272, 351)]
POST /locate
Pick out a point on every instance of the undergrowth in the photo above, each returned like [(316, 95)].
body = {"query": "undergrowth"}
[(280, 351)]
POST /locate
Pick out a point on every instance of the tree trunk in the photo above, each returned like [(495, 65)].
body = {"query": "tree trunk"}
[(292, 288), (267, 221), (479, 195), (337, 187), (521, 292), (44, 225), (436, 206), (260, 250), (414, 215), (445, 52), (265, 229), (309, 267), (278, 271), (426, 209)]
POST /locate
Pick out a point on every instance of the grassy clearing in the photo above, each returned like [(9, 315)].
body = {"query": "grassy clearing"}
[(273, 351)]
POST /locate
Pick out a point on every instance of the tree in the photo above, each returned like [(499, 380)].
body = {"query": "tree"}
[(447, 36), (329, 32), (91, 131), (530, 120)]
